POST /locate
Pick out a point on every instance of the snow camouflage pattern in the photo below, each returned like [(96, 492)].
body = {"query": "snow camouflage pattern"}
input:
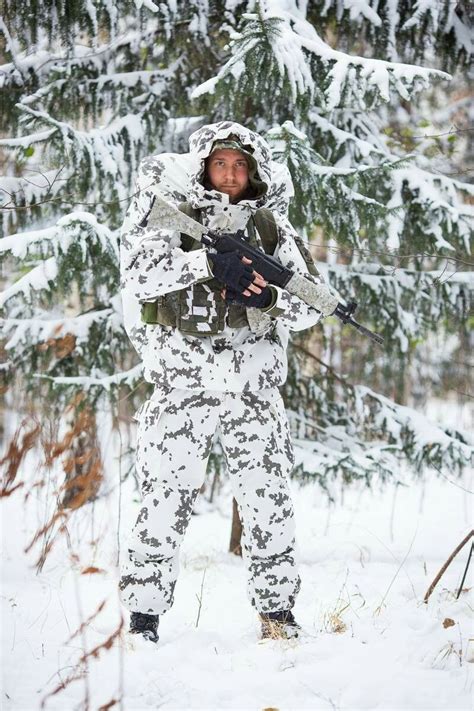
[(153, 264), (175, 433), (224, 384)]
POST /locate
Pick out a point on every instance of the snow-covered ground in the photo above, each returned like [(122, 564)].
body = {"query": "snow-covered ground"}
[(369, 641)]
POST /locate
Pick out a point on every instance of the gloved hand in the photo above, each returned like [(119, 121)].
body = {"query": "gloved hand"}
[(259, 301), (229, 268)]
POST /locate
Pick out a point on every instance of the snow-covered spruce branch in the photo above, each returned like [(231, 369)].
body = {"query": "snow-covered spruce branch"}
[(386, 433), (105, 382), (406, 303), (105, 90), (390, 254), (360, 145), (110, 154), (58, 238), (51, 184), (40, 278), (422, 28), (118, 83), (326, 464), (37, 330), (361, 149), (424, 442), (368, 195), (41, 64), (29, 140), (22, 193), (292, 46)]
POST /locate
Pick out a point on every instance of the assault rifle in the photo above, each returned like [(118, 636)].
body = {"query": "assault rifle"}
[(162, 215)]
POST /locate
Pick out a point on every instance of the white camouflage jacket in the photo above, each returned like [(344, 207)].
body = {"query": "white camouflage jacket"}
[(153, 263)]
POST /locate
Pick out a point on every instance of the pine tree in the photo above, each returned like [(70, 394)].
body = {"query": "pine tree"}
[(89, 89)]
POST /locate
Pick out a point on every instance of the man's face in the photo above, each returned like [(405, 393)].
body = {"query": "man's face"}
[(228, 172)]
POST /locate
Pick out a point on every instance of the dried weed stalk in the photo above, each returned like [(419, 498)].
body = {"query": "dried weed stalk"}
[(70, 470), (80, 670), (15, 454), (78, 453)]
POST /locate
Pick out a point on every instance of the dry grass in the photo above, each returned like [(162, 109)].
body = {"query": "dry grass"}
[(332, 620), (79, 456)]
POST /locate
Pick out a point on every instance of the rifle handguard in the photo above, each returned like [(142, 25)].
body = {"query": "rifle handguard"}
[(317, 295)]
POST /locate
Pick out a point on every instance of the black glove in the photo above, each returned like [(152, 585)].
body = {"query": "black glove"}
[(259, 301), (229, 269)]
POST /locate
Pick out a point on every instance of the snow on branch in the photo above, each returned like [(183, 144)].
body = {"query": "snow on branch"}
[(316, 461), (371, 198), (41, 62), (362, 7), (148, 4), (27, 141), (381, 434), (289, 45), (410, 300), (445, 214), (72, 228), (40, 278), (23, 193), (352, 144), (111, 152), (427, 15), (423, 442), (106, 382), (31, 331)]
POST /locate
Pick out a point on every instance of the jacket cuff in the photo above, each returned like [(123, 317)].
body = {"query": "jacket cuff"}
[(276, 307)]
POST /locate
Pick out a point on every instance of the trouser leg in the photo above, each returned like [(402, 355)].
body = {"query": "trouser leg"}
[(174, 440), (257, 444)]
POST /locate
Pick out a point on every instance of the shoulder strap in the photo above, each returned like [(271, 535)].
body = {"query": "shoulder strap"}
[(267, 229), (188, 242), (306, 254)]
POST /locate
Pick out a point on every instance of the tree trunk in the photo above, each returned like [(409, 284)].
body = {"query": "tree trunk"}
[(236, 532)]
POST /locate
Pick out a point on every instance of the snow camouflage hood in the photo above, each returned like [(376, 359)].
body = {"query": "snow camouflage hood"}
[(180, 176), (227, 134)]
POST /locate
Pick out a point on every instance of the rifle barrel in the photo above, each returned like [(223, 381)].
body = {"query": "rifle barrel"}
[(365, 331)]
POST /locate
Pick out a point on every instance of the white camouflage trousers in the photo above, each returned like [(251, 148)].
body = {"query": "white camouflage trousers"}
[(176, 429)]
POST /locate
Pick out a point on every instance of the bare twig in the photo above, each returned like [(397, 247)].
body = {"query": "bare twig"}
[(318, 360), (465, 571), (379, 607), (446, 133), (445, 566), (451, 481), (199, 597)]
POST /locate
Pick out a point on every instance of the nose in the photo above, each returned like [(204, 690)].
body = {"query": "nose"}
[(229, 172)]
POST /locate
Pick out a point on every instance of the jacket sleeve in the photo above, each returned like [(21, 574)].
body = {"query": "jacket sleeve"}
[(152, 262), (288, 308)]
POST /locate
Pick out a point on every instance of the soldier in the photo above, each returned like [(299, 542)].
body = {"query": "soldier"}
[(211, 372)]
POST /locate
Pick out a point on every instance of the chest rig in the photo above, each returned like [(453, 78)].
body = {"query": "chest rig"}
[(200, 310)]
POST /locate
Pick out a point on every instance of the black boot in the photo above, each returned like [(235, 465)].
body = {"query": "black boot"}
[(146, 625), (279, 625)]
